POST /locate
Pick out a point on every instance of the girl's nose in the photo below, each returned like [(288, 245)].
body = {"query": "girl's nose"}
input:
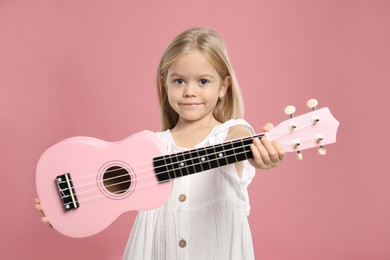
[(190, 90)]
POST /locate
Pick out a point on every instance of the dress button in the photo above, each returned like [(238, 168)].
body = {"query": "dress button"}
[(182, 243), (182, 197)]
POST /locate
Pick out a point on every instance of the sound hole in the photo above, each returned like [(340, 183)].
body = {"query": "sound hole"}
[(116, 180)]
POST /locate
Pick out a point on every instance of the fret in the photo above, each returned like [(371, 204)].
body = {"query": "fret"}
[(211, 156), (229, 153), (220, 155), (169, 166), (200, 161), (241, 150), (195, 160), (179, 161), (246, 146), (189, 165), (161, 169), (174, 168), (182, 164), (204, 158)]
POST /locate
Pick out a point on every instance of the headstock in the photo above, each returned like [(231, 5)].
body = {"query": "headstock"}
[(314, 129)]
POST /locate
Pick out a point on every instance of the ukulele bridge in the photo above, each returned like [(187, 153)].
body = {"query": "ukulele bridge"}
[(67, 192)]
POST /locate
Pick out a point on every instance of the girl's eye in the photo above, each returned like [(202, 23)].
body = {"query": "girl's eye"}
[(203, 82), (179, 82)]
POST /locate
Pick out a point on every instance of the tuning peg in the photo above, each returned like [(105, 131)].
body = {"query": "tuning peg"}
[(321, 150), (312, 103), (319, 138), (289, 110), (296, 145)]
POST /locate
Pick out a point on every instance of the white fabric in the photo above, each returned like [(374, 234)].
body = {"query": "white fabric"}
[(212, 220)]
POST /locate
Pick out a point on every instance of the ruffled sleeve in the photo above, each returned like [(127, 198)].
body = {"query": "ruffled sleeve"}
[(248, 171)]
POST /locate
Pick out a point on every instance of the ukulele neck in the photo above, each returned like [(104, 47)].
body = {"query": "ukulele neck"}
[(192, 161)]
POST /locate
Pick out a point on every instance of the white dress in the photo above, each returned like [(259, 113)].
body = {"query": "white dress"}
[(205, 217)]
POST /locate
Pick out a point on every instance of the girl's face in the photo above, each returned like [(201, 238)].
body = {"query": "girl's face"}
[(194, 86)]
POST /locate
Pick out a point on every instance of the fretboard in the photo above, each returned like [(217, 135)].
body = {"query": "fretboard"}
[(192, 161)]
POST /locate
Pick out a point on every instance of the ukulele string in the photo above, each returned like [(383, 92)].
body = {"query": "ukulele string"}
[(85, 199), (276, 135), (151, 175)]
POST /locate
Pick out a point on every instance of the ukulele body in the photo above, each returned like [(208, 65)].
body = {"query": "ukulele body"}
[(108, 179)]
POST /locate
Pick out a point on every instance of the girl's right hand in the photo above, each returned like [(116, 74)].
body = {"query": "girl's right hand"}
[(38, 207)]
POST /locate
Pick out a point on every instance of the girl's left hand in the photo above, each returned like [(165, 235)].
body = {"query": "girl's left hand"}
[(266, 154)]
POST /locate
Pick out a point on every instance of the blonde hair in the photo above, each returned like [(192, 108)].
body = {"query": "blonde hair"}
[(211, 46)]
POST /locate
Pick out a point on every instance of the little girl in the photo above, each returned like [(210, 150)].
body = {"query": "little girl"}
[(206, 215)]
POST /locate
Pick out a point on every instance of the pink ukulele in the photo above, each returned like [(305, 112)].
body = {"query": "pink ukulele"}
[(84, 183)]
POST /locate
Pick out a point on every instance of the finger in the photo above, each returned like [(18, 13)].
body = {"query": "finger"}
[(280, 150), (45, 220), (270, 149), (38, 207), (267, 127), (262, 151), (255, 151)]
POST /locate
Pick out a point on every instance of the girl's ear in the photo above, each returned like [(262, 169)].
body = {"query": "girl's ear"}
[(162, 81), (224, 87)]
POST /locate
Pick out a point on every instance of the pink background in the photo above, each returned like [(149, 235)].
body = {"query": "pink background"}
[(87, 67)]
